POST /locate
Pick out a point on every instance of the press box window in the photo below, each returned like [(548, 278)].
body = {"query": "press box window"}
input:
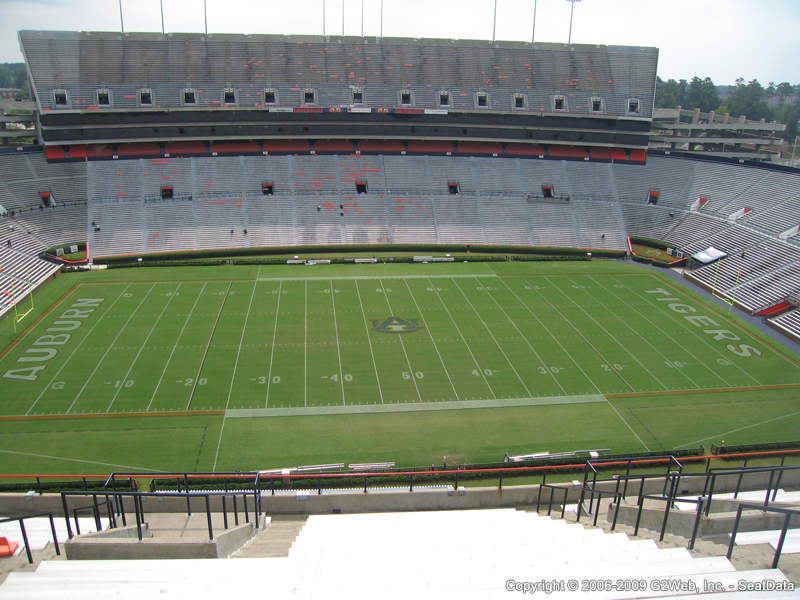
[(189, 96), (358, 96), (520, 101), (444, 98), (633, 105), (453, 187), (361, 187), (229, 96), (547, 190), (103, 97), (166, 192), (597, 105), (145, 97), (405, 98), (60, 97), (308, 97), (482, 100), (559, 103), (270, 97), (267, 189)]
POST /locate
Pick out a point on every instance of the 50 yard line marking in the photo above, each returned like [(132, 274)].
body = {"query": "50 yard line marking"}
[(74, 350), (430, 334), (369, 341), (175, 345), (111, 345), (208, 343), (272, 350), (144, 343), (338, 349), (402, 345)]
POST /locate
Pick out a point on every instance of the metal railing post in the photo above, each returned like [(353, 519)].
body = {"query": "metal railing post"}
[(55, 536), (96, 510), (698, 514), (25, 540), (564, 502), (639, 513), (733, 533), (235, 511), (66, 515), (779, 547), (188, 497), (539, 494), (246, 511), (710, 492), (224, 512), (769, 488), (138, 518), (208, 518)]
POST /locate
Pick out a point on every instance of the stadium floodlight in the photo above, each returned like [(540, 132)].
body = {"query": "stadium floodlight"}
[(571, 9), (494, 22)]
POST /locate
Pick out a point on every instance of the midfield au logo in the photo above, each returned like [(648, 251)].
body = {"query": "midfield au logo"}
[(396, 325)]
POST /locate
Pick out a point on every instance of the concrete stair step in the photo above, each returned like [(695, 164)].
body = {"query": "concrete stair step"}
[(274, 540)]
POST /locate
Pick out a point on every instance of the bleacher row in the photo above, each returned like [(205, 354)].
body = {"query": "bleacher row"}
[(291, 65), (218, 202)]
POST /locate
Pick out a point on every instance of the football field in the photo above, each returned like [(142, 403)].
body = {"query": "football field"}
[(241, 348)]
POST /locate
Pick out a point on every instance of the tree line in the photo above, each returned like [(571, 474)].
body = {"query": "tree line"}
[(747, 98)]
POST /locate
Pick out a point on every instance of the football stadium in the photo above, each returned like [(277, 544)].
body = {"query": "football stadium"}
[(386, 316)]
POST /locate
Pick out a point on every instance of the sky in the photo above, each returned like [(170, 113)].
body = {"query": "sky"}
[(721, 39)]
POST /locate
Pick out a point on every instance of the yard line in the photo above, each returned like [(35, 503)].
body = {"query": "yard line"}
[(144, 343), (238, 353), (338, 349), (666, 334), (466, 345), (85, 337), (111, 345), (596, 322), (208, 343), (402, 345), (219, 439), (175, 345), (644, 339), (305, 344), (369, 341), (365, 277), (633, 431), (79, 460), (441, 359), (705, 342), (272, 350), (719, 435), (547, 329), (494, 339), (522, 335)]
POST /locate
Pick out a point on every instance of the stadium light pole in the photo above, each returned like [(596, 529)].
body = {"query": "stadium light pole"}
[(121, 24), (205, 16), (323, 18), (381, 18), (362, 18), (571, 9), (342, 18), (494, 22), (161, 2), (533, 32)]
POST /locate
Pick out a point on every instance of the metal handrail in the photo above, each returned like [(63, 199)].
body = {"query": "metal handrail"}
[(21, 520), (789, 512)]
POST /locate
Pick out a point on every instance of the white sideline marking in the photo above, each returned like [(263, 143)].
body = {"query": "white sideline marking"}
[(433, 341), (74, 350), (719, 435), (272, 351), (402, 345), (338, 409), (464, 341), (144, 343), (369, 341), (177, 339), (373, 277), (79, 460), (494, 339), (110, 346), (554, 338)]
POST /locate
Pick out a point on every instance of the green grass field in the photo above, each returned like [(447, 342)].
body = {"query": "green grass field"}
[(259, 367)]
